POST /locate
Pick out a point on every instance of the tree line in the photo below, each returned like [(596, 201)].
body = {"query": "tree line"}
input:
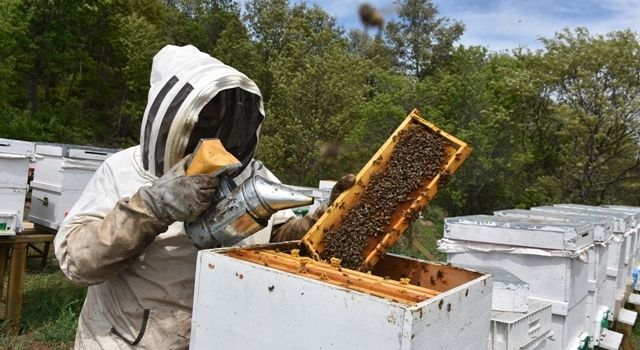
[(560, 124)]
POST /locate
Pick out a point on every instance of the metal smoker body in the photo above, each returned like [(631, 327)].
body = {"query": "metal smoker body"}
[(240, 211)]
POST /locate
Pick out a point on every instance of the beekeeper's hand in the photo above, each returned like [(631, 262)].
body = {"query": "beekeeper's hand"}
[(296, 228), (177, 196)]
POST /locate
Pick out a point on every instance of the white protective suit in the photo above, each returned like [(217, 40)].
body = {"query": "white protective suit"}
[(141, 275)]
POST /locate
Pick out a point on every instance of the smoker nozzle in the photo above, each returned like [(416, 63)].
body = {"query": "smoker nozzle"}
[(243, 211), (264, 198)]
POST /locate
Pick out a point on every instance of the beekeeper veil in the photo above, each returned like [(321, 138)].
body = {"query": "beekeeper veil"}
[(194, 96)]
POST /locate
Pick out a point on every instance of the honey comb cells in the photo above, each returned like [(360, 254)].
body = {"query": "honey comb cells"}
[(417, 157)]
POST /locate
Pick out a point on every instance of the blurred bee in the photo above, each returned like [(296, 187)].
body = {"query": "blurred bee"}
[(371, 17)]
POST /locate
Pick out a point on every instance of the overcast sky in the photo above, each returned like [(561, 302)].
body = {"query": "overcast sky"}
[(507, 24)]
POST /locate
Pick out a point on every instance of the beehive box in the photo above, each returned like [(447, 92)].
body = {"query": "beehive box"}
[(268, 298), (571, 331), (509, 294), (602, 226), (561, 281), (598, 300), (11, 210), (14, 162), (60, 175), (520, 330), (637, 226), (633, 217), (14, 169), (630, 235), (392, 188), (524, 232), (613, 290)]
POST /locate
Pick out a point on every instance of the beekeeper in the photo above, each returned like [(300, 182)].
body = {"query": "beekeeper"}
[(125, 236)]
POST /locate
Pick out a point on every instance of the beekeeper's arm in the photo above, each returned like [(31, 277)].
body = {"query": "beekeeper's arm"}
[(295, 228), (103, 233)]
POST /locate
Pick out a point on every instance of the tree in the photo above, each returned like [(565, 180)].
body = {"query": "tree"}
[(420, 39), (316, 84), (595, 84)]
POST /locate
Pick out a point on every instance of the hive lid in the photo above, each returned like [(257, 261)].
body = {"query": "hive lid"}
[(328, 231), (603, 226), (535, 305), (523, 232), (621, 221), (627, 210), (73, 151), (16, 147)]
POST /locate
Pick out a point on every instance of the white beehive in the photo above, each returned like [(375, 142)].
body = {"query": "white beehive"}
[(632, 233), (602, 226), (637, 227), (536, 251), (520, 330), (244, 304), (60, 175), (614, 287), (14, 170), (600, 303), (509, 294), (513, 243), (524, 232)]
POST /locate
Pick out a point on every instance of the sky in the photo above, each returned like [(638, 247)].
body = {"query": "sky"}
[(508, 24)]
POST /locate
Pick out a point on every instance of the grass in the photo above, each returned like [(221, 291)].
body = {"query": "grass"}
[(50, 311)]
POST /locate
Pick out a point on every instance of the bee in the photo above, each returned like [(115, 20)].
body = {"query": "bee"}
[(371, 17)]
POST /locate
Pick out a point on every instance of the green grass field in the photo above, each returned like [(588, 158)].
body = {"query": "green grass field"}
[(52, 303), (50, 311)]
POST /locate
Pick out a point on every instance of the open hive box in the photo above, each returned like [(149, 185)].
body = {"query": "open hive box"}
[(270, 297), (280, 296), (390, 191)]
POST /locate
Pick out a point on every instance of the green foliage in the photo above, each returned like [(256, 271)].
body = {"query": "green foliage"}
[(556, 125), (422, 41)]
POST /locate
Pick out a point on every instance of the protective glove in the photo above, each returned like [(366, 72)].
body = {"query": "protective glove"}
[(296, 228), (177, 196)]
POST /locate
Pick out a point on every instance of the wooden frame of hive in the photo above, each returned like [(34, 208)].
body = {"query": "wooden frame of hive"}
[(401, 219), (398, 279)]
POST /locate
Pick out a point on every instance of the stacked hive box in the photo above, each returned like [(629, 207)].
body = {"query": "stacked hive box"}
[(528, 330), (60, 175), (546, 254), (617, 271), (286, 301), (635, 210), (14, 163), (600, 304), (631, 235)]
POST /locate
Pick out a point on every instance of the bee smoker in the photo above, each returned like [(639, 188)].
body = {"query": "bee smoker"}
[(240, 211)]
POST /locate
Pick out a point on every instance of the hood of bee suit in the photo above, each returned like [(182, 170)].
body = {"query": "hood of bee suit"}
[(194, 96)]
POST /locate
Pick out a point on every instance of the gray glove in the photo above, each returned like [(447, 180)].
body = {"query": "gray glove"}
[(177, 196), (296, 228)]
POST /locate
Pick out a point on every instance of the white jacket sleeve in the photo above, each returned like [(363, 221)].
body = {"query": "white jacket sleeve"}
[(103, 233)]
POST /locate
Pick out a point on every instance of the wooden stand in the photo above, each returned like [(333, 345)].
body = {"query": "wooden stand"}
[(14, 250)]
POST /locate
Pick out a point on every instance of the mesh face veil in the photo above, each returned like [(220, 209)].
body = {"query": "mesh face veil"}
[(194, 96), (233, 116)]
